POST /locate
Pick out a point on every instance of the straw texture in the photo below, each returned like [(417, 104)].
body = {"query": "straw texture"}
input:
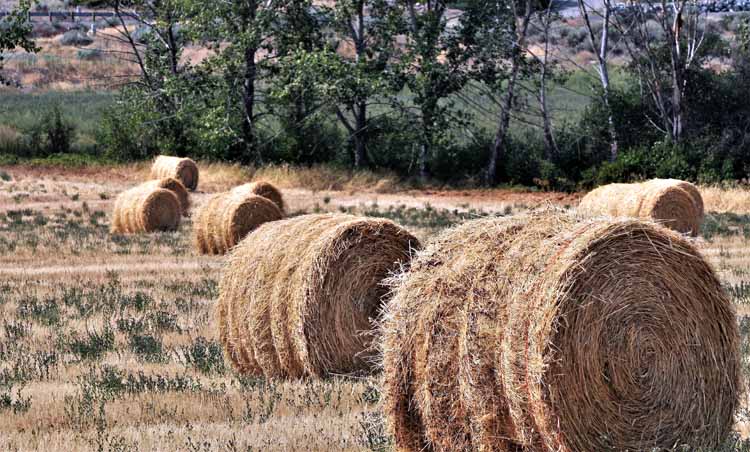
[(301, 294), (264, 189), (183, 169), (145, 208), (673, 203), (226, 218), (546, 332), (176, 187)]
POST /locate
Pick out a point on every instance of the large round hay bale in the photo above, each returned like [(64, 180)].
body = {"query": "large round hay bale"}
[(146, 208), (264, 189), (176, 187), (673, 203), (226, 218), (306, 290), (183, 169), (551, 333)]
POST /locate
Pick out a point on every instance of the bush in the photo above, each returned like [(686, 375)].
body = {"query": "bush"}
[(51, 135), (76, 38), (90, 54)]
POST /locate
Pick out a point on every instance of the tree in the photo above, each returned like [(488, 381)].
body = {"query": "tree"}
[(664, 41), (15, 33), (433, 65), (240, 31), (601, 48), (520, 14), (156, 109), (369, 28)]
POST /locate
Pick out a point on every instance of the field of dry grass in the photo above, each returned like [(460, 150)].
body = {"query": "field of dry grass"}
[(107, 342)]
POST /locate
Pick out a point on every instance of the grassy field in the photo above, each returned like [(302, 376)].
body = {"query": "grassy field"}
[(107, 342)]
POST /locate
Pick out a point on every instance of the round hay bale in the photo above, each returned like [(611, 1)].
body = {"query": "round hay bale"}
[(675, 204), (264, 189), (226, 218), (548, 332), (176, 187), (145, 209), (307, 289), (183, 169)]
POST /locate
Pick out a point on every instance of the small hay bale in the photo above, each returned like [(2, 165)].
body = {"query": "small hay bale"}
[(675, 204), (176, 187), (307, 290), (226, 218), (183, 169), (547, 332), (145, 208), (264, 189)]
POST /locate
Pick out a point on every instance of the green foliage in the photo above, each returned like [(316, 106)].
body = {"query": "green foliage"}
[(15, 32), (76, 38)]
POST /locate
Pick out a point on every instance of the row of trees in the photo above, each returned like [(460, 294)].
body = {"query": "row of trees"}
[(404, 83)]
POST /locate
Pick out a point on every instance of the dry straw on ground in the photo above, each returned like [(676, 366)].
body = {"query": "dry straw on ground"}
[(146, 208), (226, 218), (550, 333), (176, 187), (183, 169), (673, 203), (297, 296), (264, 189)]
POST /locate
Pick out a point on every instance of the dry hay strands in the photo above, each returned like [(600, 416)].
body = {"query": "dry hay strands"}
[(298, 296), (176, 187), (264, 189), (146, 208), (550, 333), (673, 203), (226, 218), (183, 169)]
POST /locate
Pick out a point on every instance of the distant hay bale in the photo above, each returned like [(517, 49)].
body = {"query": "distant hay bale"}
[(176, 187), (183, 169), (545, 332), (306, 290), (264, 189), (226, 218), (673, 203), (146, 208)]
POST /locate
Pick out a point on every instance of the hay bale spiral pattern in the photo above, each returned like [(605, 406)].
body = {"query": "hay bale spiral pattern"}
[(146, 208), (176, 187), (183, 169), (226, 218), (673, 203), (264, 189), (298, 296), (548, 333)]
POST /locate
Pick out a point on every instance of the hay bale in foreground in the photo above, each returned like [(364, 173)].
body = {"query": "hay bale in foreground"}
[(226, 218), (302, 294), (264, 189), (673, 203), (183, 169), (176, 187), (545, 332), (146, 208)]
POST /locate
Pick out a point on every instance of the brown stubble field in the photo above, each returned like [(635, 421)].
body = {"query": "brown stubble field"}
[(107, 342)]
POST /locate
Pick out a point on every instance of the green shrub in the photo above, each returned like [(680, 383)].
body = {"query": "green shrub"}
[(76, 38)]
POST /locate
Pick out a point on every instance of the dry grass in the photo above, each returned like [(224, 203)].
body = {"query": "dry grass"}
[(183, 169), (567, 325), (673, 203), (297, 297), (163, 384), (721, 199)]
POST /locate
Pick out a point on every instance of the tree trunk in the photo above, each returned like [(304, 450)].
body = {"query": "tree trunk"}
[(248, 103), (360, 136), (497, 151)]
